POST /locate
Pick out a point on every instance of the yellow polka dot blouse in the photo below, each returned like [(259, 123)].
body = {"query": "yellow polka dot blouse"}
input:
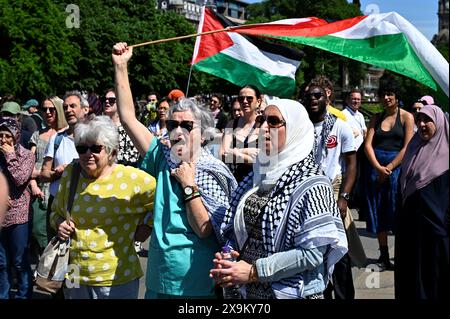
[(106, 212)]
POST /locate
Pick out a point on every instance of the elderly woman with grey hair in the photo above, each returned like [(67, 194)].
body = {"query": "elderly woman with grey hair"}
[(192, 193), (110, 201)]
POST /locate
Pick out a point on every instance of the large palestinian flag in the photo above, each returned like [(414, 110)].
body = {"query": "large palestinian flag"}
[(385, 40), (244, 60)]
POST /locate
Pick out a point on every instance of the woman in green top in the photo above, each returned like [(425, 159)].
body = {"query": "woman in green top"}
[(192, 193)]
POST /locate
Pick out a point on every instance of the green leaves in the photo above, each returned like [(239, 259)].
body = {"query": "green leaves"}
[(40, 55)]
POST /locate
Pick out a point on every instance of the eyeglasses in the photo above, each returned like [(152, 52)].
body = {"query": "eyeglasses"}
[(242, 98), (317, 95), (5, 135), (48, 109), (272, 120), (82, 149), (214, 101), (72, 106), (187, 125), (110, 100)]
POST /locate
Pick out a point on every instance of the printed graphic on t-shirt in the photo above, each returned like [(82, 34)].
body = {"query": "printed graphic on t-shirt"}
[(332, 141)]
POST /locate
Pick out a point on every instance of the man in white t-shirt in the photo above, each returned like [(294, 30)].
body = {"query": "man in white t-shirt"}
[(354, 118), (336, 153), (56, 161)]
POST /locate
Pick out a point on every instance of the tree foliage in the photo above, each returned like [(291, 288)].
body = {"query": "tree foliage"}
[(40, 55), (37, 56)]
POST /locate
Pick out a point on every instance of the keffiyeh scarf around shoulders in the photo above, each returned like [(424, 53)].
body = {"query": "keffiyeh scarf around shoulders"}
[(292, 220), (216, 185)]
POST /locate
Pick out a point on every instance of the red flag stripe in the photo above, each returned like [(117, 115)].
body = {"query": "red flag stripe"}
[(212, 43), (313, 28)]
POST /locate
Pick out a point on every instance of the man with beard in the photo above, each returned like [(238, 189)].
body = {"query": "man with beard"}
[(336, 153)]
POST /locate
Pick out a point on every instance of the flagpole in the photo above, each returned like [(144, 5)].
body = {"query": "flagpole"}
[(180, 38), (197, 44)]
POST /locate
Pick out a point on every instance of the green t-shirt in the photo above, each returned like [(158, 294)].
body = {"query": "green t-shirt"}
[(178, 260)]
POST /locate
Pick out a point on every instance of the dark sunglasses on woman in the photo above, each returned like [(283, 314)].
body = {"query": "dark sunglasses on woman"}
[(272, 120), (111, 100), (172, 124), (242, 98), (82, 149), (48, 109)]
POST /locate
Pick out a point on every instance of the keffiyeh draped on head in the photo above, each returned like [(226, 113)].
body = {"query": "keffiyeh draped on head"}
[(426, 160), (299, 143)]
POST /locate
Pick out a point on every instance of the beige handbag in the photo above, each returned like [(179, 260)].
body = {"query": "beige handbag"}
[(54, 261)]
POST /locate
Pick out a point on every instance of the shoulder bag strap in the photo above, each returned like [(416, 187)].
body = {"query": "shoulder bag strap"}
[(76, 169)]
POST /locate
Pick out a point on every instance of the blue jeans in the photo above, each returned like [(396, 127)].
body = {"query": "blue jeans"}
[(129, 290), (14, 256)]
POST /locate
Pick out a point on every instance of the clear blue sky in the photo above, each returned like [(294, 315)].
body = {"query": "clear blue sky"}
[(421, 13)]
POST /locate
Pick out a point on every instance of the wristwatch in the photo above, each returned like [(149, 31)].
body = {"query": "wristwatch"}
[(345, 196), (189, 190)]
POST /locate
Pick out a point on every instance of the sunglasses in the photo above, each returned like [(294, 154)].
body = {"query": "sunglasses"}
[(242, 98), (172, 124), (423, 102), (317, 95), (48, 109), (111, 100), (82, 149), (272, 120)]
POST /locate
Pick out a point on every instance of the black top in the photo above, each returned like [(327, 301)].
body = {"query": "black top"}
[(222, 120), (241, 170), (389, 140)]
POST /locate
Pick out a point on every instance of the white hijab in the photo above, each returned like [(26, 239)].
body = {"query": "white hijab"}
[(299, 143)]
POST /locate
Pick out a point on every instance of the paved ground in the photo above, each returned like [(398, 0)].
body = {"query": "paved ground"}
[(369, 282)]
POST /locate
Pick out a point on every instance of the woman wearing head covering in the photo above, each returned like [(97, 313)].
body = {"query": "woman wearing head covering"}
[(53, 113), (17, 165), (110, 201), (422, 268), (284, 221)]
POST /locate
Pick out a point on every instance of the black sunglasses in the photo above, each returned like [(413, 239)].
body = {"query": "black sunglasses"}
[(317, 95), (272, 120), (172, 124), (48, 109), (111, 100), (242, 98), (82, 149)]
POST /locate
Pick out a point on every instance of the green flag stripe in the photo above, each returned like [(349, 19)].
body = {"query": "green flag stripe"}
[(392, 52), (241, 73)]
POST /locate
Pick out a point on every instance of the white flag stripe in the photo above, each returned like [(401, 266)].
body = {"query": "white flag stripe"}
[(393, 23), (247, 52)]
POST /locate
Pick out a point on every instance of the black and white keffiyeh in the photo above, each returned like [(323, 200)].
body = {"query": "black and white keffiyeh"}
[(216, 185), (301, 213), (327, 126)]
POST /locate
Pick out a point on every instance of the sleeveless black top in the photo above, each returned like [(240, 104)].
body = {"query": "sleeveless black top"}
[(241, 170), (391, 140)]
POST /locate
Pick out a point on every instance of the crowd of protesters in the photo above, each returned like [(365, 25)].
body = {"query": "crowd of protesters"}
[(272, 178)]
